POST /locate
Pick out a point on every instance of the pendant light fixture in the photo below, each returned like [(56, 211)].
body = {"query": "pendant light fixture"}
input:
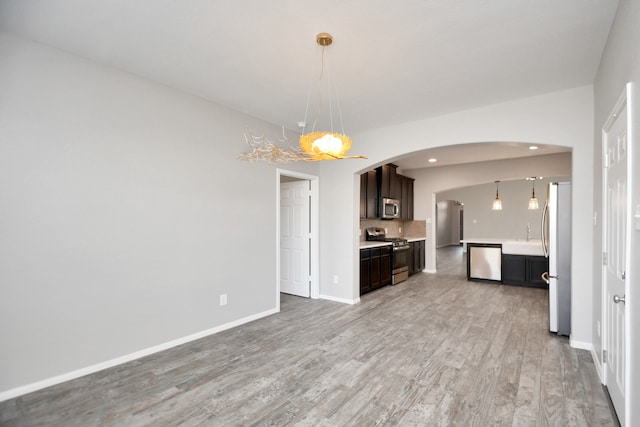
[(314, 145), (497, 203), (325, 145), (533, 201)]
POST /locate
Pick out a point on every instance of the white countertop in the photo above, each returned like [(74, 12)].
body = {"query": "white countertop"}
[(373, 244), (364, 244), (483, 240), (511, 246)]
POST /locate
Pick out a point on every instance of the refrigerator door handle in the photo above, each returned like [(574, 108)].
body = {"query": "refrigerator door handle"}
[(545, 248), (546, 277)]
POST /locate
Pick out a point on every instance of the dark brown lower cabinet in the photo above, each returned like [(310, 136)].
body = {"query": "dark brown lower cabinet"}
[(385, 265), (537, 266), (365, 268), (375, 268), (416, 256), (524, 270)]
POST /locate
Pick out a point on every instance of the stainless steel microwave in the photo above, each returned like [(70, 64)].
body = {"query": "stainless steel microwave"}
[(390, 208)]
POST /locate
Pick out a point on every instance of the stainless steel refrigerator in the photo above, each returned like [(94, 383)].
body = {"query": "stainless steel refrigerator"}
[(556, 242)]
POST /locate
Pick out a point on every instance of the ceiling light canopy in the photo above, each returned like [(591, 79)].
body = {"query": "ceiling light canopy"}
[(314, 145)]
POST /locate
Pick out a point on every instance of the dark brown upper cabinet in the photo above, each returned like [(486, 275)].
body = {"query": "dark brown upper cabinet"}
[(385, 182)]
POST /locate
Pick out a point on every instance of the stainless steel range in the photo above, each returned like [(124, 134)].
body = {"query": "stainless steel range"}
[(400, 258)]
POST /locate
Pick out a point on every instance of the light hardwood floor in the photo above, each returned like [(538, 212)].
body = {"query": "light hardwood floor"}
[(434, 350)]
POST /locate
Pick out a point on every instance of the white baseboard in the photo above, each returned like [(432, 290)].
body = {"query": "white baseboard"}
[(429, 271), (38, 385), (342, 300), (596, 362), (581, 345)]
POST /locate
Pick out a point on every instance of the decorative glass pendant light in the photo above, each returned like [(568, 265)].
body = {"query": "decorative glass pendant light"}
[(497, 203), (533, 201), (314, 145), (326, 145)]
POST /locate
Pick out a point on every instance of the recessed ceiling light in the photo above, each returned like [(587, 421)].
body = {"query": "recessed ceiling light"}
[(432, 160), (533, 147)]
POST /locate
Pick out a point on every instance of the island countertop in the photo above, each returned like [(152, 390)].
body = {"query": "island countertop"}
[(510, 246)]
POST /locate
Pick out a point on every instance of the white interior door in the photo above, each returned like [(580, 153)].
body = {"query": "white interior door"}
[(295, 238), (615, 140)]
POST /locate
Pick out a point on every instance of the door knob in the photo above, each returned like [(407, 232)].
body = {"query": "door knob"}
[(618, 299)]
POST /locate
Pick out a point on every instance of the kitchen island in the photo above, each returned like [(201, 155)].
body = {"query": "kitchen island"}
[(508, 261)]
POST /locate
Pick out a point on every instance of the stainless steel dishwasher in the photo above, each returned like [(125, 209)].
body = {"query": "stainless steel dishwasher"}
[(484, 261)]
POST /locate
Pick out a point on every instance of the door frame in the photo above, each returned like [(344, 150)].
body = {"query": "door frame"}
[(623, 100), (314, 214)]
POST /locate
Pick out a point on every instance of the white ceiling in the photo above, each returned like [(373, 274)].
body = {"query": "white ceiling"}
[(392, 61), (471, 153)]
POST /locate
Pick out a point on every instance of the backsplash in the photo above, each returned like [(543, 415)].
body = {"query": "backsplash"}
[(395, 228), (415, 228)]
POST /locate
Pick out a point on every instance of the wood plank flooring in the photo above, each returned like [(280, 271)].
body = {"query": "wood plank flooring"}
[(434, 350)]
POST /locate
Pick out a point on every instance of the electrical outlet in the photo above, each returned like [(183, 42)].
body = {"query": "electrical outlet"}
[(223, 299), (335, 279)]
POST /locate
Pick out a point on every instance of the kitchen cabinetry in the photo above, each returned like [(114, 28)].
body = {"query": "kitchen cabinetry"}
[(375, 268), (416, 256), (388, 182), (369, 195), (385, 182), (523, 270), (406, 198)]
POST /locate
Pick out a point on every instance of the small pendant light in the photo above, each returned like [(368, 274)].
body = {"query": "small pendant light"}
[(533, 201), (497, 203)]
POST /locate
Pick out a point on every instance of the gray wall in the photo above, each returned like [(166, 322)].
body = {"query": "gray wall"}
[(448, 223), (124, 214), (620, 64), (509, 223), (437, 180)]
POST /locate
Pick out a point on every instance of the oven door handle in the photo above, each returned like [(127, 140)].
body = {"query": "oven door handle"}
[(401, 248)]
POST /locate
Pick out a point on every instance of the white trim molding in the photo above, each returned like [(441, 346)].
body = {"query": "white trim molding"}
[(314, 211), (342, 300), (581, 345), (597, 364)]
